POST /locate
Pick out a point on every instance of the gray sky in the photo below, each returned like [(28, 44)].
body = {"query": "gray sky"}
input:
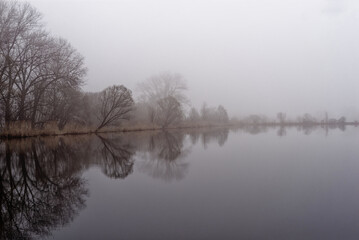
[(252, 56)]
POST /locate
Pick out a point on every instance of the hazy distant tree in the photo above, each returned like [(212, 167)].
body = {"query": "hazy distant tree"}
[(205, 112), (281, 117), (115, 104), (152, 111), (341, 120), (169, 111), (193, 115), (215, 115), (139, 113), (235, 121), (222, 114), (308, 119), (254, 119), (326, 117), (159, 88), (163, 85)]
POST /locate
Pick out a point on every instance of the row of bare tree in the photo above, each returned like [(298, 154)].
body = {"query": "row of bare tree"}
[(209, 114), (40, 75), (282, 119), (41, 78)]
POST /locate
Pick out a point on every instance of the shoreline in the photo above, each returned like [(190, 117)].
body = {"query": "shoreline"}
[(33, 133)]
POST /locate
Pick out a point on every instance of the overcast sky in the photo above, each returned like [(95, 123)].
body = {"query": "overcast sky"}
[(252, 56)]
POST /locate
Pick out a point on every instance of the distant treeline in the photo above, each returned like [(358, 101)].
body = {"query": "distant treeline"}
[(281, 119)]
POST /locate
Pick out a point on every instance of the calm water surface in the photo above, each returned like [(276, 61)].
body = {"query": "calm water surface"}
[(200, 184)]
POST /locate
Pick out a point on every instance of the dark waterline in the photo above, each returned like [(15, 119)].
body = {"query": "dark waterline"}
[(254, 183)]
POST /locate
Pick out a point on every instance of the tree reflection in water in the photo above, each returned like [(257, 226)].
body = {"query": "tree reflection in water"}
[(116, 157), (219, 135), (164, 157), (307, 129), (40, 188), (41, 182)]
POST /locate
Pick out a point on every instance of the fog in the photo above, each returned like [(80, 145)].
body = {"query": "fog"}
[(250, 56)]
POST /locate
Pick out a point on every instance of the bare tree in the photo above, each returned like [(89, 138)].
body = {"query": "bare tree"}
[(161, 88), (222, 114), (308, 119), (169, 112), (204, 111), (281, 117), (17, 20), (217, 115), (116, 103), (63, 105), (164, 85), (33, 66), (193, 115), (64, 76)]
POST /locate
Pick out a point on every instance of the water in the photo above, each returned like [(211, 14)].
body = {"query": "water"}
[(252, 183)]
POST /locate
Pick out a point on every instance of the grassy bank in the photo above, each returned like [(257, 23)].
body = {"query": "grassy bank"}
[(23, 129)]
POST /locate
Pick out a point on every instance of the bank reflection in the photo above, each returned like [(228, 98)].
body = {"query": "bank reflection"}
[(164, 156), (218, 135), (306, 129), (41, 179), (116, 156), (40, 188)]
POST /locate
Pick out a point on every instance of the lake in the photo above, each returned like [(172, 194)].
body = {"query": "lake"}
[(217, 183)]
